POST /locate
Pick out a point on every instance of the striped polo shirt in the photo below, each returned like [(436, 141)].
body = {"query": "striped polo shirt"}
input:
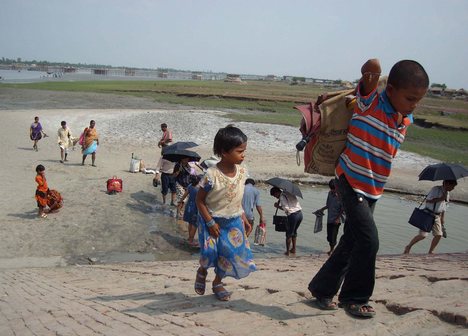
[(372, 142)]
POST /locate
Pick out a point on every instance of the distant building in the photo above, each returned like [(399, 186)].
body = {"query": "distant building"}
[(129, 72), (196, 75), (102, 72), (234, 78), (163, 74)]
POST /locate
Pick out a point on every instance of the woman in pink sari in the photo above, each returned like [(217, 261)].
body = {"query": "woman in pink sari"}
[(90, 143)]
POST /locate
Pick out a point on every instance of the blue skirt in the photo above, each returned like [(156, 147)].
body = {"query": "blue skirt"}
[(191, 213), (230, 253), (91, 148)]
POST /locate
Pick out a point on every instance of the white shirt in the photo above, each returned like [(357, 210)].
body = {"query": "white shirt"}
[(289, 203), (165, 166), (438, 207)]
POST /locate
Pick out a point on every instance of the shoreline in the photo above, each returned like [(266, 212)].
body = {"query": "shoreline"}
[(132, 224)]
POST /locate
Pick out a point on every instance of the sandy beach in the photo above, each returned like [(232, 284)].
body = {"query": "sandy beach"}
[(416, 292), (92, 221)]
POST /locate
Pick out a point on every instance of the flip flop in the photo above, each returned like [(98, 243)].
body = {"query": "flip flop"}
[(221, 295), (200, 283), (326, 304), (355, 309)]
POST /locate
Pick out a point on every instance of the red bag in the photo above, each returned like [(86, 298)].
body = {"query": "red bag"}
[(114, 185)]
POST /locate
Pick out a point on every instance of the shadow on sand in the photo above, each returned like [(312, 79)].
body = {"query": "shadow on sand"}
[(181, 303)]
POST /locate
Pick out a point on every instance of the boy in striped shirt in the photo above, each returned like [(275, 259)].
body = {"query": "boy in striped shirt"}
[(375, 132)]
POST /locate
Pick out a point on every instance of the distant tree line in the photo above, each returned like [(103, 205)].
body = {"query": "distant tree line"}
[(10, 61), (19, 60)]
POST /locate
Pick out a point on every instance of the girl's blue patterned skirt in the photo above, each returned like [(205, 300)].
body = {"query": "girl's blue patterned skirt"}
[(230, 253)]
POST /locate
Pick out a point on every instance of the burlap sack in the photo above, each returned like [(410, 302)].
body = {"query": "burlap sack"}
[(326, 123), (328, 133)]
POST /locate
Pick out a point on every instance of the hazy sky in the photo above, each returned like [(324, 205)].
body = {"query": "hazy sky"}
[(321, 39)]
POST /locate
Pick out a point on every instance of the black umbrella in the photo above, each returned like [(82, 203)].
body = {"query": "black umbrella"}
[(178, 154), (285, 185), (443, 171), (180, 145)]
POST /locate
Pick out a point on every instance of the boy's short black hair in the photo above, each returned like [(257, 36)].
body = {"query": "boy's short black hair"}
[(274, 190), (250, 181), (163, 125), (408, 73), (227, 139), (39, 168), (451, 182), (331, 184), (63, 123)]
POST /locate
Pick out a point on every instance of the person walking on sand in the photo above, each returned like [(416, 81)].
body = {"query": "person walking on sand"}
[(36, 133), (290, 205), (436, 202), (191, 210), (90, 143), (223, 242), (375, 132), (42, 190), (335, 215), (166, 138), (165, 169), (182, 172), (64, 140), (251, 200)]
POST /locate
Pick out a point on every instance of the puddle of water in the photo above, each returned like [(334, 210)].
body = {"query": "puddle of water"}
[(391, 215)]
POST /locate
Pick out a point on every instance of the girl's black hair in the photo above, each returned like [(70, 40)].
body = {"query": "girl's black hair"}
[(227, 139), (39, 168), (194, 179)]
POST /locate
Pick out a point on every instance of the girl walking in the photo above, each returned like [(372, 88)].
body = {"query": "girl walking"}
[(223, 242), (42, 191), (191, 210)]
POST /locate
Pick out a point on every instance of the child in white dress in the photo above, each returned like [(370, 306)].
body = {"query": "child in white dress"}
[(223, 242)]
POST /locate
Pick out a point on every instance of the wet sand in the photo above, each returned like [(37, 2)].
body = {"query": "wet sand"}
[(93, 225), (416, 294)]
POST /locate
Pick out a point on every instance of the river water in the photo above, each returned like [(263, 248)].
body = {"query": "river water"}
[(391, 215)]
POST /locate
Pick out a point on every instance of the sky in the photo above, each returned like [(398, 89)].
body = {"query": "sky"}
[(319, 39)]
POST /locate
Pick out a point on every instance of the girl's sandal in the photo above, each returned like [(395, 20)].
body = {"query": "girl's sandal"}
[(221, 293), (200, 283)]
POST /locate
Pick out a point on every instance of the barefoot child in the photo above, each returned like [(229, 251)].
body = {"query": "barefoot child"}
[(223, 242), (41, 191), (191, 210)]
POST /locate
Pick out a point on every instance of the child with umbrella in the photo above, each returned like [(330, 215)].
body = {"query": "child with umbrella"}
[(437, 199)]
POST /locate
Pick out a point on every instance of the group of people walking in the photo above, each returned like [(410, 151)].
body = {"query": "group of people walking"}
[(221, 202), (89, 140), (375, 133), (49, 200)]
